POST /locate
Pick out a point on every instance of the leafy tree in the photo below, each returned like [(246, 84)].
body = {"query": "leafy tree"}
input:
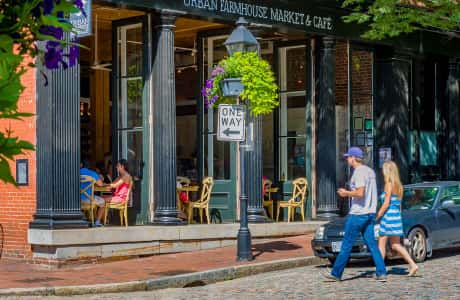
[(22, 24), (390, 18)]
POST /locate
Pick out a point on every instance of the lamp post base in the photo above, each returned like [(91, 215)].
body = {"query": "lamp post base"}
[(258, 218), (244, 252)]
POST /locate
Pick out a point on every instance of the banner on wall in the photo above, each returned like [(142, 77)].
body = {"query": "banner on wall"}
[(384, 154), (82, 21)]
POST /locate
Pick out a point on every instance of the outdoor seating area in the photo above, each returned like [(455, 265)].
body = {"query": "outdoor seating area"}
[(193, 198), (185, 203), (92, 203)]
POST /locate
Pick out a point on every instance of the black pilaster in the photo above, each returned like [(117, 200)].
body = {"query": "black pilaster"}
[(391, 108), (453, 104), (58, 150), (254, 175), (326, 146), (164, 124)]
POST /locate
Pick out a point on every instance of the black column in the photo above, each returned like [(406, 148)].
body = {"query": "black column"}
[(164, 124), (58, 150), (254, 174), (326, 145), (391, 110), (453, 105)]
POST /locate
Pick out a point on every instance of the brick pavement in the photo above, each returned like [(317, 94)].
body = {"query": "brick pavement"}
[(16, 274), (439, 279)]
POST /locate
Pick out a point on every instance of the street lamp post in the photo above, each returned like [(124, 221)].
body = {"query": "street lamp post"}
[(242, 40)]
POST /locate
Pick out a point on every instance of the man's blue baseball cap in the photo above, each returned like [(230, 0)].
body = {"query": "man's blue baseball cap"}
[(355, 152)]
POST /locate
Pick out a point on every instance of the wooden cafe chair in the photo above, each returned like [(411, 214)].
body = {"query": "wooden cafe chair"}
[(203, 202), (121, 207), (88, 192), (267, 200), (297, 199)]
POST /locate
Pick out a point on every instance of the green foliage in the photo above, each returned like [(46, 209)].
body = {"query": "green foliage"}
[(20, 24), (260, 88), (391, 18)]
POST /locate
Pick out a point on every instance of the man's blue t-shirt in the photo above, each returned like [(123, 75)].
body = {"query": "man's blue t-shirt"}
[(91, 173)]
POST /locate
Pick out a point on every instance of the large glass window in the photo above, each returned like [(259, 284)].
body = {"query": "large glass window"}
[(130, 89), (292, 118), (361, 62), (217, 153)]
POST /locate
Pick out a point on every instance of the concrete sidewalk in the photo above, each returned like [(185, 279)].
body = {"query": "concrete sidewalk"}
[(160, 271)]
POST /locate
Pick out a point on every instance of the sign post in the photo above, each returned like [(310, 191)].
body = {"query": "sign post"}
[(231, 127)]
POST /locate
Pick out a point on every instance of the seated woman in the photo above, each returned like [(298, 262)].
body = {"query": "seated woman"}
[(121, 186)]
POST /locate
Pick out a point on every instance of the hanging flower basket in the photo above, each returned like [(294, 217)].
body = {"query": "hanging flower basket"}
[(243, 75)]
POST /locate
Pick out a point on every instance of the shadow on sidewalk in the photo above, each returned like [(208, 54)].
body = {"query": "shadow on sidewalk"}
[(273, 247)]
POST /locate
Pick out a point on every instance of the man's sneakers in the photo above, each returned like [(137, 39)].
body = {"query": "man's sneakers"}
[(331, 278), (381, 278), (98, 224)]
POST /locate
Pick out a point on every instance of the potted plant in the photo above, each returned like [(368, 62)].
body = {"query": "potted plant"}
[(245, 75)]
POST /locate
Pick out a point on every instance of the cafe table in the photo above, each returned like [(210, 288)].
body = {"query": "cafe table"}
[(187, 189)]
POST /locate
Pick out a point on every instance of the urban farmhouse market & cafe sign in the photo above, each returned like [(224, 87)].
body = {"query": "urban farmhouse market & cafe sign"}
[(262, 12)]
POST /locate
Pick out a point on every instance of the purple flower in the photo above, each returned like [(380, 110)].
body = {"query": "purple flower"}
[(209, 83), (217, 71), (48, 6), (55, 32), (74, 54), (79, 5), (54, 56), (51, 44)]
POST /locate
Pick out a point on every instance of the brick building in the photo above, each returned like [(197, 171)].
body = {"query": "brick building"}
[(136, 95)]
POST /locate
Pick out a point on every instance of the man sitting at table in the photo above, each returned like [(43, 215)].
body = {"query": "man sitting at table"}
[(99, 201)]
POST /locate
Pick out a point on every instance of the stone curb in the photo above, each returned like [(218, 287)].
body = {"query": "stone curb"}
[(177, 281)]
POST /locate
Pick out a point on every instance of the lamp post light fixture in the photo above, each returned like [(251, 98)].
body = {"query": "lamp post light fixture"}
[(242, 40)]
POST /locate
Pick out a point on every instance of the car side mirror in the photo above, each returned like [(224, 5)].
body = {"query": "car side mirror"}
[(447, 204)]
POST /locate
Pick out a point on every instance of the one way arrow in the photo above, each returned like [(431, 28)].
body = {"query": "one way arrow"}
[(229, 132)]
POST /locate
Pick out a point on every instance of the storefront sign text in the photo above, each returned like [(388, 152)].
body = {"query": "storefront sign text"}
[(262, 12)]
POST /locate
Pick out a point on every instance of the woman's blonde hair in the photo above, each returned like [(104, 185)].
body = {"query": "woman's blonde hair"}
[(391, 175)]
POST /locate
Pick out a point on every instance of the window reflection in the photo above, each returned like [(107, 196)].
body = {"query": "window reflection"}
[(292, 118), (361, 97)]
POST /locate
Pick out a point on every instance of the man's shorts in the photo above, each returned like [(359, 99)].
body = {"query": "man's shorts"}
[(98, 200)]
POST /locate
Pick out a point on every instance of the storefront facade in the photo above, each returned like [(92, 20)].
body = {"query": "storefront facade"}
[(336, 90)]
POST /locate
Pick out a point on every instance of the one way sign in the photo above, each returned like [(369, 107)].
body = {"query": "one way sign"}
[(231, 122)]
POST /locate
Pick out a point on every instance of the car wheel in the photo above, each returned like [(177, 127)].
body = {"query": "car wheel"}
[(417, 247), (331, 260)]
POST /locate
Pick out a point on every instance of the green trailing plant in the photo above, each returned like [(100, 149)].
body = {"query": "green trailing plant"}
[(260, 88), (22, 24), (391, 18)]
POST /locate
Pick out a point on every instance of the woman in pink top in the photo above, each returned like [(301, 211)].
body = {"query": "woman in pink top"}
[(121, 186)]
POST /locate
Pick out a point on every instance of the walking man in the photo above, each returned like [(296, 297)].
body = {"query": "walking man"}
[(361, 218)]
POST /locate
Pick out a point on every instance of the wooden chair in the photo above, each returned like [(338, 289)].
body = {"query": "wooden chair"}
[(88, 193), (183, 181), (267, 200), (203, 202), (121, 207), (297, 200)]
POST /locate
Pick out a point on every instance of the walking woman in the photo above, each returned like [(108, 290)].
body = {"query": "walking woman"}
[(391, 223)]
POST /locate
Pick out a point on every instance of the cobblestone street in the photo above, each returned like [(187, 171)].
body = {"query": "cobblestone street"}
[(438, 279)]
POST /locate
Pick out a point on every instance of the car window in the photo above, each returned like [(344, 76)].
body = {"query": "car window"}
[(451, 193), (419, 197)]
